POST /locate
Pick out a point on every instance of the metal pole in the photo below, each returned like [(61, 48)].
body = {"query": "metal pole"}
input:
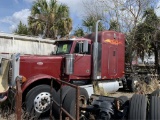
[(18, 100)]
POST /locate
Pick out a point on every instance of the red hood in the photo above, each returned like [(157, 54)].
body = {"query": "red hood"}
[(34, 65)]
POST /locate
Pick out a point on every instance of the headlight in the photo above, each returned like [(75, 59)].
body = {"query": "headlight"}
[(22, 79)]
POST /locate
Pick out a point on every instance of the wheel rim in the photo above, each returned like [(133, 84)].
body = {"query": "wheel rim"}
[(135, 83), (42, 102)]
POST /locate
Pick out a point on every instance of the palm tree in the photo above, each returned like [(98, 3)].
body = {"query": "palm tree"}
[(114, 25), (79, 32), (90, 21), (49, 19)]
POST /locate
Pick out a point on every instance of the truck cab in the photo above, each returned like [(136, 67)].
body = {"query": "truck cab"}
[(77, 64)]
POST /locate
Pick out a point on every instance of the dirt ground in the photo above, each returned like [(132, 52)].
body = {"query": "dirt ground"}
[(122, 93), (117, 94)]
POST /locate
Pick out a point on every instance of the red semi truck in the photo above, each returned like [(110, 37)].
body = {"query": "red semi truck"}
[(98, 57)]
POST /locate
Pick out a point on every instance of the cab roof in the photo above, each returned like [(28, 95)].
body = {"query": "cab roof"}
[(75, 39)]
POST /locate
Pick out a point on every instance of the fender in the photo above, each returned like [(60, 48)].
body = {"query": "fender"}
[(35, 78)]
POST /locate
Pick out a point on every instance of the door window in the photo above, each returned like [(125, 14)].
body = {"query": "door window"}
[(79, 48)]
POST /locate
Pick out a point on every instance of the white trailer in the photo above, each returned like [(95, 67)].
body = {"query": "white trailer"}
[(11, 43)]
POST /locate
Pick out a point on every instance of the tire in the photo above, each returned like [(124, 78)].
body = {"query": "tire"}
[(131, 82), (154, 108), (69, 103), (123, 100), (124, 82), (55, 108), (137, 107), (156, 93), (34, 101), (65, 90)]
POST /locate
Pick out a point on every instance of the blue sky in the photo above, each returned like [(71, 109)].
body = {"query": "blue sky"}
[(13, 11)]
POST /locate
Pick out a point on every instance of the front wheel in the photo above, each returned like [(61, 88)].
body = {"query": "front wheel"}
[(38, 100)]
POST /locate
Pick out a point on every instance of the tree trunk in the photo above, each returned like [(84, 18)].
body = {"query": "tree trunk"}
[(156, 60)]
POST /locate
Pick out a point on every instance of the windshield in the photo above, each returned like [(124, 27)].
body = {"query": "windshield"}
[(63, 47)]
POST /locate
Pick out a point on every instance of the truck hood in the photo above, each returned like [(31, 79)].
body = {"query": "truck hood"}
[(34, 65)]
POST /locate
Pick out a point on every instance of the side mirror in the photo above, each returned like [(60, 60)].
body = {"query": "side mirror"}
[(85, 46)]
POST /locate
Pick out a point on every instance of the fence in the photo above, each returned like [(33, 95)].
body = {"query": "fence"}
[(18, 101)]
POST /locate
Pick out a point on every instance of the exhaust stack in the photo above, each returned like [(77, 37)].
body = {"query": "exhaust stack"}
[(95, 53)]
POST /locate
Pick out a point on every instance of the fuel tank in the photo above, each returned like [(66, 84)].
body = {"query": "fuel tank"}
[(110, 86)]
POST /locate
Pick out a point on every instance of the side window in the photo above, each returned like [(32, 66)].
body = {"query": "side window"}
[(79, 48), (89, 49)]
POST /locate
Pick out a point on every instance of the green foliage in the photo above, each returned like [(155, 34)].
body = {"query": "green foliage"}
[(49, 19), (114, 25), (147, 37), (22, 29), (79, 32), (146, 33), (143, 38), (90, 22)]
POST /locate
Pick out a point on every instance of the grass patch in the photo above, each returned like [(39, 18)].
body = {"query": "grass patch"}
[(143, 88)]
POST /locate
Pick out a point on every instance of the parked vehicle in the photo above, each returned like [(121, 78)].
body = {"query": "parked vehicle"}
[(98, 57)]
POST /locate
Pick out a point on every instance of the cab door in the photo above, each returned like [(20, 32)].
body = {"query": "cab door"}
[(82, 62), (112, 61)]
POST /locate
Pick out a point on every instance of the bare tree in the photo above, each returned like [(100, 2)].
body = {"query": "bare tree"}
[(126, 13), (91, 12)]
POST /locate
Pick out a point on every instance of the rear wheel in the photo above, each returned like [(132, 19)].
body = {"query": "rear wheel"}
[(38, 100), (132, 82), (55, 108), (70, 101), (154, 108), (64, 90), (137, 108)]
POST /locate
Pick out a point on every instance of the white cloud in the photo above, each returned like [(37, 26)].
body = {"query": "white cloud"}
[(14, 20), (75, 6), (13, 27), (80, 7)]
